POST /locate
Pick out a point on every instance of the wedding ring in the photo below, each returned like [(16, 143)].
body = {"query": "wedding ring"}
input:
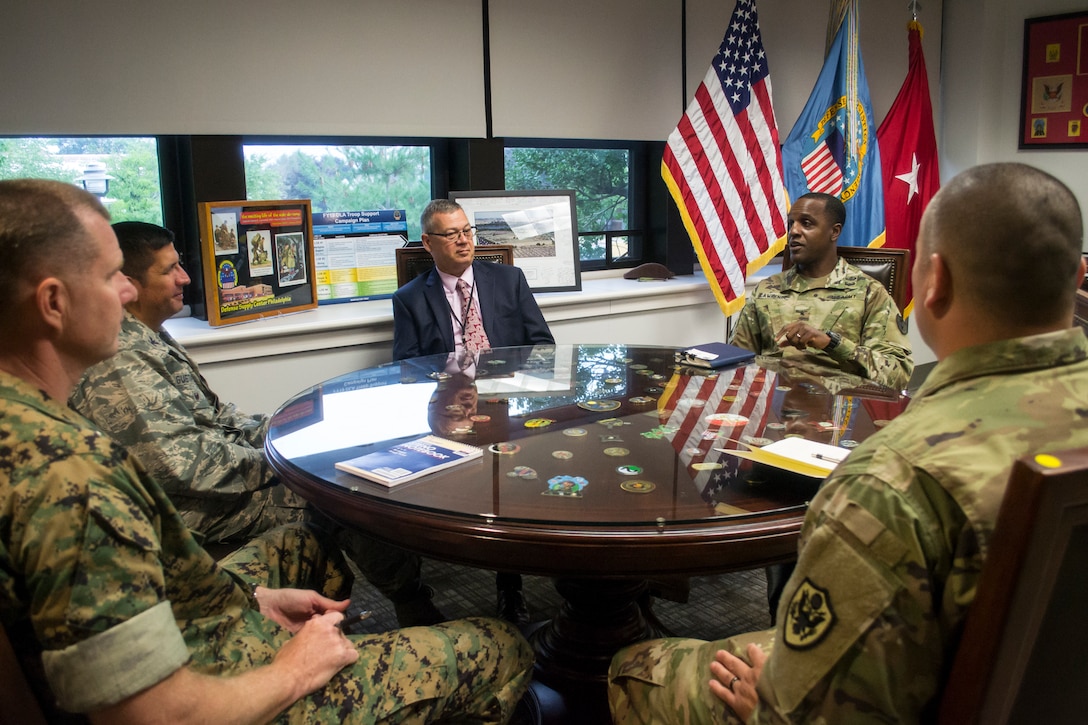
[(732, 682)]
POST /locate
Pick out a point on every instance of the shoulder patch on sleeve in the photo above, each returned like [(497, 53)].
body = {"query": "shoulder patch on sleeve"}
[(809, 617)]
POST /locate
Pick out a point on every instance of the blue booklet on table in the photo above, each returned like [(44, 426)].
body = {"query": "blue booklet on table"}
[(409, 460), (714, 355)]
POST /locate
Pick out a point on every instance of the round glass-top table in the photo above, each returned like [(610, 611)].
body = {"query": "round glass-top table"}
[(602, 466)]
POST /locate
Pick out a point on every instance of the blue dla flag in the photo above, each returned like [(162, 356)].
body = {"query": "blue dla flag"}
[(832, 148)]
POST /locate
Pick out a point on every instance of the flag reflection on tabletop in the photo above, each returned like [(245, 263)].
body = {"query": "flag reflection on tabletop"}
[(696, 413), (723, 166)]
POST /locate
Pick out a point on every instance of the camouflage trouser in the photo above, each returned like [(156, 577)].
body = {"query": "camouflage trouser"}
[(473, 670), (667, 680), (469, 670), (394, 572), (294, 555)]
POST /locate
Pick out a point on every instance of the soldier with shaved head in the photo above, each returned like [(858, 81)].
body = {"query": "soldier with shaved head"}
[(893, 544)]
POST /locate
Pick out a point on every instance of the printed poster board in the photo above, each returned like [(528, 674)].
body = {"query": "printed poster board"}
[(258, 259), (355, 254)]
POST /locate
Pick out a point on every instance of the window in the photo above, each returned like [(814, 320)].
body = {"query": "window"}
[(608, 231), (343, 178), (123, 172)]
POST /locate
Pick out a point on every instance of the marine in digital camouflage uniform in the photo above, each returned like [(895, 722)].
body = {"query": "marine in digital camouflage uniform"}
[(848, 301), (101, 578), (894, 542)]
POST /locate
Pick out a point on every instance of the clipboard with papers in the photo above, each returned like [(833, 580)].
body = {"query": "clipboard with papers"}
[(797, 455)]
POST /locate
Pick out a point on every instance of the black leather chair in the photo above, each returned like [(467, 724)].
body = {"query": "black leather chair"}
[(1021, 657), (890, 267), (413, 260)]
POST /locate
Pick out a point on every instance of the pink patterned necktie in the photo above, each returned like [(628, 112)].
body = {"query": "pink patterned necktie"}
[(474, 337)]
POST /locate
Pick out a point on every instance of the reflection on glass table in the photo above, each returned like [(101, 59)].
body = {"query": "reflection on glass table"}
[(603, 465)]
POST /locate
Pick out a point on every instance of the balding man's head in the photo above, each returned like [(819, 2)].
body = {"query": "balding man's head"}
[(1011, 237)]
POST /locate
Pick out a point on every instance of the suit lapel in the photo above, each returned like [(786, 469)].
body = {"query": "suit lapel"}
[(436, 300)]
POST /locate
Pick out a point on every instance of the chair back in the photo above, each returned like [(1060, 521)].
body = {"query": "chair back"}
[(18, 704), (1021, 658), (414, 260), (1080, 309), (890, 267)]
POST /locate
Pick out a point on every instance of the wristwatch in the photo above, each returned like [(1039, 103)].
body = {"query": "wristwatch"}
[(836, 338)]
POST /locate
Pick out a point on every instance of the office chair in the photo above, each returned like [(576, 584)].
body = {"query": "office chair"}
[(414, 260), (18, 703), (890, 267), (1021, 658)]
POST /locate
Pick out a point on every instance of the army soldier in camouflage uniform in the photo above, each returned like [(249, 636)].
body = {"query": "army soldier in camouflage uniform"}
[(894, 542), (102, 586), (823, 309), (206, 454)]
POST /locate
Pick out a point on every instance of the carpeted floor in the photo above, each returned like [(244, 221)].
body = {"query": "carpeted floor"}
[(717, 606)]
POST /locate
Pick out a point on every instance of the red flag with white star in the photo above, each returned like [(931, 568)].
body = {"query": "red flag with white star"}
[(908, 155)]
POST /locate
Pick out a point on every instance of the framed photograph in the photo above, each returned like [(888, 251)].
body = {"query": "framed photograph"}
[(541, 226), (1054, 93), (258, 259)]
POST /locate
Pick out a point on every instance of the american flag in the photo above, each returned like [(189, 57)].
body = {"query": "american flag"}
[(723, 164), (822, 171)]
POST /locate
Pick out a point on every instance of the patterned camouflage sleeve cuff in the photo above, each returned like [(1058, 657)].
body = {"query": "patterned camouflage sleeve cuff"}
[(118, 663), (843, 351)]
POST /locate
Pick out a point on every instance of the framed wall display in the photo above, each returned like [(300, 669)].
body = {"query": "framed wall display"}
[(258, 259), (541, 226), (354, 254), (1054, 95)]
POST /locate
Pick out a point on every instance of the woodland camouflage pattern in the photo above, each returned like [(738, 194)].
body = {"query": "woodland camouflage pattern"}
[(874, 338), (89, 543), (891, 550)]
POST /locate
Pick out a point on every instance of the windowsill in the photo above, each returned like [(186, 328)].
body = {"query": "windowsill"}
[(603, 292)]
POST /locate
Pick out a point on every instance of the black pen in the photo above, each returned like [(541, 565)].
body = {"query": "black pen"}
[(348, 621), (833, 459)]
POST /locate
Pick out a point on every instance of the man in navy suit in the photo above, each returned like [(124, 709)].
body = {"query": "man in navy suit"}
[(434, 314), (427, 312)]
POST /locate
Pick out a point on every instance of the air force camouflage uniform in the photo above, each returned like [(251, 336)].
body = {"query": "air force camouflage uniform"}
[(874, 335), (207, 455), (102, 579), (890, 552)]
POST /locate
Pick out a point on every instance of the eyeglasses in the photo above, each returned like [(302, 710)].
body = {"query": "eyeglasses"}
[(452, 237)]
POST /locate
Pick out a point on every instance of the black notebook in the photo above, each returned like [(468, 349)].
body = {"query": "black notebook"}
[(714, 355)]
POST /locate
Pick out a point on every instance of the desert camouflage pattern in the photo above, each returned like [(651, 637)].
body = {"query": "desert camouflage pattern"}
[(874, 335), (891, 549), (89, 541)]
